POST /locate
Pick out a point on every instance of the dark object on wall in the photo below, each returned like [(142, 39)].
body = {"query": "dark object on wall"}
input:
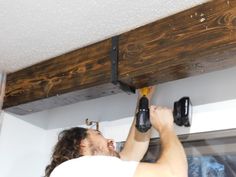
[(91, 123), (183, 112)]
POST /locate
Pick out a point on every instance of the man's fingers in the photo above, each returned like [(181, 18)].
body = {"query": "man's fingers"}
[(159, 108), (153, 107)]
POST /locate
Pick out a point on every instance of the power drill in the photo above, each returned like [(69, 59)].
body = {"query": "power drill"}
[(143, 123), (182, 112)]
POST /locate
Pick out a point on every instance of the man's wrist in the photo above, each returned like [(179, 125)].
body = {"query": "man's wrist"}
[(165, 131)]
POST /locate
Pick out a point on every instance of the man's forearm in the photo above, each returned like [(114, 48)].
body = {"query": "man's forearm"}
[(172, 153), (136, 144)]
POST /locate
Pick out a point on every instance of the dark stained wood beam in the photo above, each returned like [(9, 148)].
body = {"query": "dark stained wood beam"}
[(199, 40)]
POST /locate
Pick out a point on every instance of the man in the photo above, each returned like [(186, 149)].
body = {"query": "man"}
[(85, 152)]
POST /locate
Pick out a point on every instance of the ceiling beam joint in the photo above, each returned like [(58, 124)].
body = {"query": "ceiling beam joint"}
[(114, 55)]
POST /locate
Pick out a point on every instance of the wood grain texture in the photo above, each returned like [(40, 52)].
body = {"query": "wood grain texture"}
[(81, 69), (199, 40), (196, 41)]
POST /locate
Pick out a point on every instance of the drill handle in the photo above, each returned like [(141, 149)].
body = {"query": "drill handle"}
[(143, 123)]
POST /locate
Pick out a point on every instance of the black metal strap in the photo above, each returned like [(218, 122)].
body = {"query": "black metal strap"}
[(114, 59), (114, 54)]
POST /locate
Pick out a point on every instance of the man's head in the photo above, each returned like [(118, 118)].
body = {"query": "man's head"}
[(75, 142), (96, 144)]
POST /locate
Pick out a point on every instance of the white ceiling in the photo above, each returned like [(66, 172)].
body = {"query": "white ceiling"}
[(35, 30)]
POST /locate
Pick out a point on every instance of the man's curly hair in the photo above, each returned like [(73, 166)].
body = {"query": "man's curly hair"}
[(67, 147)]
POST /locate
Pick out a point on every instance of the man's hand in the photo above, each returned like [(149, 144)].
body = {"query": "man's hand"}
[(172, 161), (161, 118)]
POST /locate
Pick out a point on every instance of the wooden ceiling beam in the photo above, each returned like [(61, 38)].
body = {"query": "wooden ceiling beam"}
[(199, 40)]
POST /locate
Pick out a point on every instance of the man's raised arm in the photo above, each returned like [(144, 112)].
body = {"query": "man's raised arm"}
[(172, 161), (137, 143)]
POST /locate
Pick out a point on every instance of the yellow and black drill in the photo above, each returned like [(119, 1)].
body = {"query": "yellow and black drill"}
[(182, 112), (143, 123)]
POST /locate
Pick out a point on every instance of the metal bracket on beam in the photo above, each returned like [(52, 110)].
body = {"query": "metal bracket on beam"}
[(114, 54)]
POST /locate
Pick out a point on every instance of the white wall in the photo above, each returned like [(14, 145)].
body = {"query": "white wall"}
[(203, 89), (22, 147)]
